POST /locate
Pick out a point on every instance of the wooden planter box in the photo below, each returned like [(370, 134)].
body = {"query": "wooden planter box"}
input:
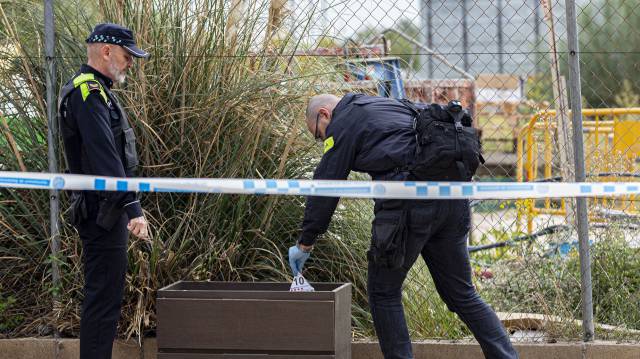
[(253, 320)]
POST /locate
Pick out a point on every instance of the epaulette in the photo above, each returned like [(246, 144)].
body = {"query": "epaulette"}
[(89, 84)]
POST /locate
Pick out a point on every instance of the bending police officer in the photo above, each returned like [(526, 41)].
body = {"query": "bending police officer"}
[(98, 140), (376, 135)]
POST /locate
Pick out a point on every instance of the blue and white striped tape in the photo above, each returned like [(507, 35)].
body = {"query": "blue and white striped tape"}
[(354, 189)]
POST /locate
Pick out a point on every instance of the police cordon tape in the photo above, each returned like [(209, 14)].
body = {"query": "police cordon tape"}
[(327, 188)]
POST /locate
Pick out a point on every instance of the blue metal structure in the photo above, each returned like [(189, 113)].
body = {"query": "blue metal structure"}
[(384, 71)]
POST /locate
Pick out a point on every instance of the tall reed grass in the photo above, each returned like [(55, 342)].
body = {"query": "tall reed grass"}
[(205, 105)]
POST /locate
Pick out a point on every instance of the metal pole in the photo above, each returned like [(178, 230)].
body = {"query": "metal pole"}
[(52, 137), (500, 39), (430, 51), (580, 175), (430, 35), (425, 32), (536, 26), (426, 19), (465, 36)]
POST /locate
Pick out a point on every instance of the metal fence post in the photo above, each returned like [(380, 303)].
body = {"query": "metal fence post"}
[(500, 36), (582, 221), (54, 205), (426, 29), (536, 27), (465, 35)]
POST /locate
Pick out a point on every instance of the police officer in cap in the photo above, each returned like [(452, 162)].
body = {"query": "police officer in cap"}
[(98, 140), (376, 135)]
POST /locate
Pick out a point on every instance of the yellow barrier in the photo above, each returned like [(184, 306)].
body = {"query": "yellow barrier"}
[(612, 153)]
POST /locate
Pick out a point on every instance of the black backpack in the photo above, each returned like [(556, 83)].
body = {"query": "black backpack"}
[(448, 147)]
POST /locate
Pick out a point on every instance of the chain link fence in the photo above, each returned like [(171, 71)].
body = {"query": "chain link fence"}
[(223, 96)]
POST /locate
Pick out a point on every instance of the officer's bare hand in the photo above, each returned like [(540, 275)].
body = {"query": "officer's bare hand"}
[(139, 227)]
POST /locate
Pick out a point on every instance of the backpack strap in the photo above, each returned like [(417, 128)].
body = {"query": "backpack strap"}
[(410, 105), (454, 108), (417, 113)]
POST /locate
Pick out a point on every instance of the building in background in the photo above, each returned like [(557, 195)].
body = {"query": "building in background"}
[(483, 36)]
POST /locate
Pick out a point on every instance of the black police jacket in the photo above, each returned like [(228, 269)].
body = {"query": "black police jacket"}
[(366, 134), (91, 126)]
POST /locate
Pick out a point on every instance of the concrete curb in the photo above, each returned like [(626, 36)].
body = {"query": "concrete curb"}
[(48, 348)]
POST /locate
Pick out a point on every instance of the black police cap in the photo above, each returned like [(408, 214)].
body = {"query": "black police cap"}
[(118, 35)]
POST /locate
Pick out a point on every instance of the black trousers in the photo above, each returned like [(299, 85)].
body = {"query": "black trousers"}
[(105, 265), (437, 231)]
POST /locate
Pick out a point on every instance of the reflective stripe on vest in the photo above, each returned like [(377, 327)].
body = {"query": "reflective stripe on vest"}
[(82, 80)]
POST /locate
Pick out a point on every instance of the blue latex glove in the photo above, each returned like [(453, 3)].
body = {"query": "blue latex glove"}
[(297, 257)]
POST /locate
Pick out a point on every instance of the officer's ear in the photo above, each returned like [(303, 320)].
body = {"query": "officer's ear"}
[(105, 51), (325, 113)]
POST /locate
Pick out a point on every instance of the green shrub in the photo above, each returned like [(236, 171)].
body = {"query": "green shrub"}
[(550, 285), (9, 319)]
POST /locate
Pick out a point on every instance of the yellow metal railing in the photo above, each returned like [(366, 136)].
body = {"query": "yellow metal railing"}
[(612, 150)]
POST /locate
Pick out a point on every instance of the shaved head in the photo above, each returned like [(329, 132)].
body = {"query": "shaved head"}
[(326, 101), (319, 112)]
